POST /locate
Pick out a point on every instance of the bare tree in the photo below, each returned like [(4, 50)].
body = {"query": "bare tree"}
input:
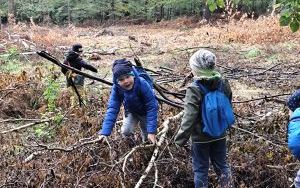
[(69, 13), (0, 20), (11, 11)]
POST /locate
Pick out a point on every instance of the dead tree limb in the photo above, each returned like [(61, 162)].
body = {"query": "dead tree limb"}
[(131, 152), (166, 68), (70, 148), (31, 156), (156, 176), (259, 73), (25, 126), (163, 95), (14, 120), (261, 98), (166, 125), (258, 136), (56, 61)]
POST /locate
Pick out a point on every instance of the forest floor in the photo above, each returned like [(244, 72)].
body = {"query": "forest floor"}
[(46, 143)]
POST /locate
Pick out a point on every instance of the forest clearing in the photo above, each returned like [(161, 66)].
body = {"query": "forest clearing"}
[(47, 143)]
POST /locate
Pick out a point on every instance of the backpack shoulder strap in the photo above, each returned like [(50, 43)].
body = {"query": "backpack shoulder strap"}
[(221, 86), (202, 88)]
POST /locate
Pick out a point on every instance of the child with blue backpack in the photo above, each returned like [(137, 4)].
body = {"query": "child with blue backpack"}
[(138, 98), (205, 146), (293, 103)]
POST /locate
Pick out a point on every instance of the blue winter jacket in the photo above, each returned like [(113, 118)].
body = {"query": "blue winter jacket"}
[(294, 133), (139, 100)]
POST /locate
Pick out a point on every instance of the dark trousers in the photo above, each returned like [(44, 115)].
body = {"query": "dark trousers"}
[(216, 152)]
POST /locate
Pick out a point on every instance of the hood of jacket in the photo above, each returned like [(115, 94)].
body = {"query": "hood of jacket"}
[(210, 84)]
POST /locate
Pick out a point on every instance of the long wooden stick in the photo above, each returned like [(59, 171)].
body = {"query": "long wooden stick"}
[(56, 61), (261, 98), (156, 150), (25, 126)]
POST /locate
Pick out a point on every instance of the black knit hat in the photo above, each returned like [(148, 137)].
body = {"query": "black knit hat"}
[(77, 48), (121, 67)]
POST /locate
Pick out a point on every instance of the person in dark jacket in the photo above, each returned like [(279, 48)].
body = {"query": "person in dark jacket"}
[(293, 104), (138, 98), (204, 148), (74, 59)]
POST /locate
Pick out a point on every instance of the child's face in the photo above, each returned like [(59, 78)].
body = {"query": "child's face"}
[(126, 81)]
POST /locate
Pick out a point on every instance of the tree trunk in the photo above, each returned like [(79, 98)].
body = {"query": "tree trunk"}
[(69, 13), (162, 12), (146, 9), (170, 13), (11, 7), (11, 12), (113, 9), (273, 7), (205, 13)]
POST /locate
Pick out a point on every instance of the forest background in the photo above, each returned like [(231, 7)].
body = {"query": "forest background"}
[(138, 11)]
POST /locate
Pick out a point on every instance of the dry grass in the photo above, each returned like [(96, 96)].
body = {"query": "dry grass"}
[(244, 47)]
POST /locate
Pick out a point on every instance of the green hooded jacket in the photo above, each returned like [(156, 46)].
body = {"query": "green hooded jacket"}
[(191, 121)]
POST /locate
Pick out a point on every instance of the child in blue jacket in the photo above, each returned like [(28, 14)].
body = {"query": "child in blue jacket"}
[(293, 103), (138, 98)]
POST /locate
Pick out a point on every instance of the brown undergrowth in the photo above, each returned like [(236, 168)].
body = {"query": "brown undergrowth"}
[(257, 56)]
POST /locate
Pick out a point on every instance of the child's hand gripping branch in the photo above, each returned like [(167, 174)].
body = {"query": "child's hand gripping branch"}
[(139, 101)]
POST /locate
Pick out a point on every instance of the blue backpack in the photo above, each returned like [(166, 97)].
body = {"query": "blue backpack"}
[(294, 133), (142, 73), (216, 111)]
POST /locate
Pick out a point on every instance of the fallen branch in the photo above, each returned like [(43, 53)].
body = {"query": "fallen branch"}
[(25, 126), (158, 89), (14, 120), (68, 149), (111, 51), (156, 176), (131, 152), (56, 61), (166, 68), (261, 98), (256, 74), (175, 94), (31, 156), (260, 137), (156, 150)]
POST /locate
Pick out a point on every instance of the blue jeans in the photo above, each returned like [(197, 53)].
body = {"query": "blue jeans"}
[(130, 122), (216, 152)]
